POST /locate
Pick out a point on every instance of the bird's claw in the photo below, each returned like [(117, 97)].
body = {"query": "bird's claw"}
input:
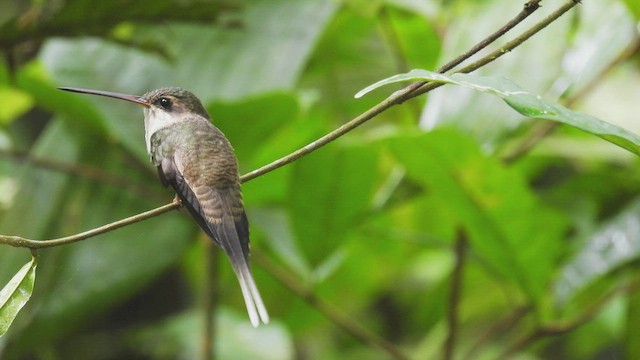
[(177, 201)]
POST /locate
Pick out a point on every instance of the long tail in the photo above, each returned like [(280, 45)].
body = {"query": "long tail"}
[(253, 300), (230, 242)]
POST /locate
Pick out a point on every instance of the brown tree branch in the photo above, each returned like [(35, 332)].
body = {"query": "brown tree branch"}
[(529, 8)]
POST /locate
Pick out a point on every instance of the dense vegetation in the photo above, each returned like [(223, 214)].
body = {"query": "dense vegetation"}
[(482, 220)]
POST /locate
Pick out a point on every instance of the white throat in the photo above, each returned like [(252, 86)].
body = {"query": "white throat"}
[(156, 119)]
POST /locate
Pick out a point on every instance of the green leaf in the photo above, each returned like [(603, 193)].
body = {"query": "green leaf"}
[(632, 345), (277, 228), (16, 294), (492, 203), (565, 60), (16, 103), (523, 102), (634, 7), (327, 197), (250, 123)]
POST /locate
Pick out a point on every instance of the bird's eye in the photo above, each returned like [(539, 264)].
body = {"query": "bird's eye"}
[(165, 103)]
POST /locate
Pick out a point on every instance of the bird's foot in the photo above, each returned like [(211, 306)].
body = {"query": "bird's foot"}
[(176, 200)]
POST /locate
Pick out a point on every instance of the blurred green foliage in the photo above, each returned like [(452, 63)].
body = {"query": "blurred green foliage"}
[(367, 222)]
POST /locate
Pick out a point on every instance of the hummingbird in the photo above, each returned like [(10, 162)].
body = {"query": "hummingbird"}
[(193, 157)]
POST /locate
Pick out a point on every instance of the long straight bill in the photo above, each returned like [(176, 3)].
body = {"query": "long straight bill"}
[(131, 98)]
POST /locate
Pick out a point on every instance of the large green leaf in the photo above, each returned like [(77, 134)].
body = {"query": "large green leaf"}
[(16, 293), (493, 204), (17, 103), (326, 198), (525, 103)]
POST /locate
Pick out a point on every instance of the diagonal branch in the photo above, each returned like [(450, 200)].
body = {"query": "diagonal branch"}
[(424, 87), (417, 88), (18, 241), (396, 98), (348, 324)]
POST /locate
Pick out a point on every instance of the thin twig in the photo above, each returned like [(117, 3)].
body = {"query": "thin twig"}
[(396, 98), (395, 48), (506, 48), (18, 241), (454, 295), (498, 328), (349, 325), (336, 316), (399, 97), (529, 8), (559, 328), (543, 129), (509, 46)]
